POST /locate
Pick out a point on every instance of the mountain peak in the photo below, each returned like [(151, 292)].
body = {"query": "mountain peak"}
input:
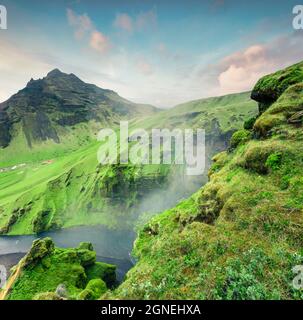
[(55, 72)]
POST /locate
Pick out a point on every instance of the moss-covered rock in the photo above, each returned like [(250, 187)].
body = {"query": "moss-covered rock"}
[(269, 88), (97, 287), (50, 272), (286, 110), (239, 137), (87, 257), (86, 294), (40, 249), (104, 271), (86, 246), (47, 296)]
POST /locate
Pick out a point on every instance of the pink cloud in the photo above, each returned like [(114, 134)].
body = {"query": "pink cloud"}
[(241, 70), (81, 23), (124, 22), (99, 42), (84, 27), (139, 22)]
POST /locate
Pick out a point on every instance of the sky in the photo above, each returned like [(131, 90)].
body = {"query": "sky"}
[(160, 52)]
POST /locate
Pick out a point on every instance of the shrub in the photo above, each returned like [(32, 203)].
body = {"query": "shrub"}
[(248, 124), (274, 161), (239, 137)]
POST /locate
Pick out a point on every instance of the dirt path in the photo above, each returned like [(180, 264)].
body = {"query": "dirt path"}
[(10, 282)]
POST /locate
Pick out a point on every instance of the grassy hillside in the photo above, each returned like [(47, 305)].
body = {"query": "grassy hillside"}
[(68, 189), (240, 235), (227, 113), (73, 190)]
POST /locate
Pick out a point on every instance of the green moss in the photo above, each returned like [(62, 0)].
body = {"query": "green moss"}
[(97, 286), (104, 271), (269, 88), (274, 160), (46, 296), (94, 289), (239, 137), (48, 273), (248, 124), (86, 294), (240, 235)]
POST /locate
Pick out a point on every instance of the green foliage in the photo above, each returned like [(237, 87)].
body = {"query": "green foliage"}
[(46, 296), (249, 124), (86, 294), (104, 271), (274, 161), (239, 137), (244, 278)]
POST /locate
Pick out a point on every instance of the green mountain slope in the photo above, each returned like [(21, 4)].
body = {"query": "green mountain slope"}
[(57, 114), (240, 235), (71, 188)]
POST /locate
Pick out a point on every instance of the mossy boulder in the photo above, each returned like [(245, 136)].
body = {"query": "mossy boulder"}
[(39, 249), (104, 271), (86, 294), (48, 272), (269, 88), (86, 246), (255, 157), (286, 110), (97, 286), (86, 257), (94, 289)]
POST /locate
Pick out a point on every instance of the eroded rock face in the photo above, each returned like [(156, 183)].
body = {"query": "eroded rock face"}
[(39, 249), (5, 126)]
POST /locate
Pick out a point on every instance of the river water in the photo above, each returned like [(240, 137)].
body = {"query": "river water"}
[(111, 245)]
